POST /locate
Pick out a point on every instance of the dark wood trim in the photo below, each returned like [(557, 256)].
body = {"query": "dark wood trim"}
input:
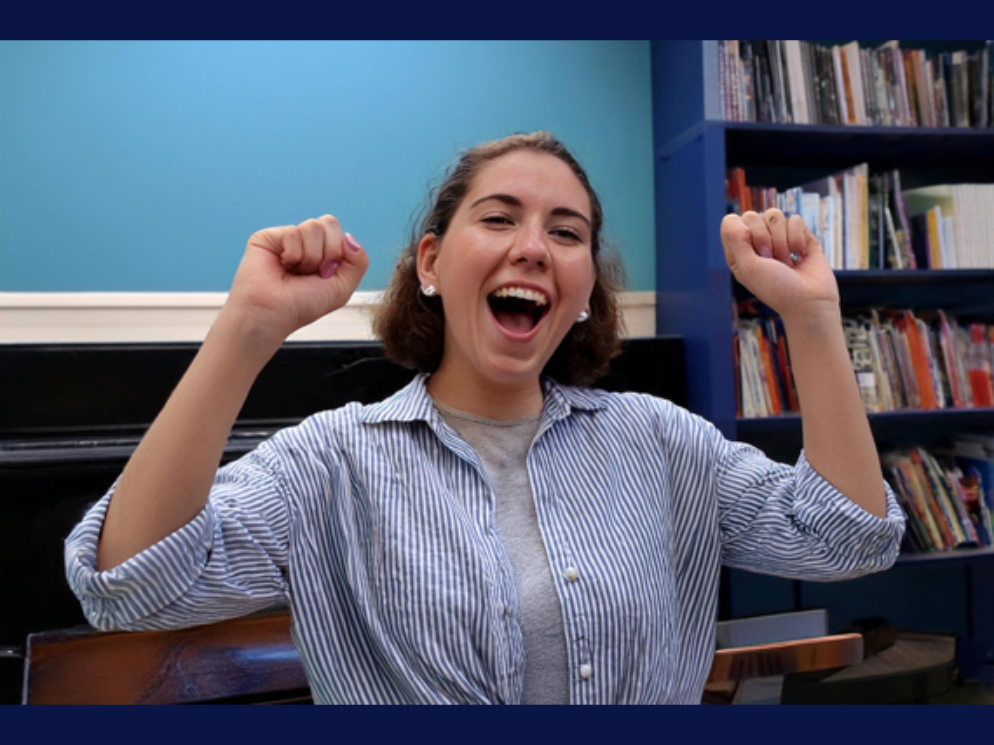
[(244, 660)]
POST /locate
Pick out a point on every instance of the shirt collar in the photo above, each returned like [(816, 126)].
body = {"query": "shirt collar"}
[(413, 403)]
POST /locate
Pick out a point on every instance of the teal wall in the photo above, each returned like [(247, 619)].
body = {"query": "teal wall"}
[(145, 166)]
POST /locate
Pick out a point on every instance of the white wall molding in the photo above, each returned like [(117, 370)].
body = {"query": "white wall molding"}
[(30, 317)]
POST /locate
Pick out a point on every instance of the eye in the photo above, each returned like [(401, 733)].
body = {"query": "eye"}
[(497, 220), (568, 234)]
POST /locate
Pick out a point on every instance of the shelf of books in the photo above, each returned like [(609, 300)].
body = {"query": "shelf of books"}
[(857, 83), (909, 261), (888, 155), (925, 378)]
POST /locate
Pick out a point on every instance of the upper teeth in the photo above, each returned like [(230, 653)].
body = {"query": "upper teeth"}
[(520, 292)]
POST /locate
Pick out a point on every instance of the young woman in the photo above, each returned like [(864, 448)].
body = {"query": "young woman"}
[(495, 532)]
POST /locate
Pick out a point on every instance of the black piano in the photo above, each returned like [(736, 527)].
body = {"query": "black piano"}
[(71, 415)]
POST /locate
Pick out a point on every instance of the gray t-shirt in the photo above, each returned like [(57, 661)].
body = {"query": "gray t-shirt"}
[(503, 448)]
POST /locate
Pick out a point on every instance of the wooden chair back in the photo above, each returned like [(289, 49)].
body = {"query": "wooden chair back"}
[(253, 660), (245, 660)]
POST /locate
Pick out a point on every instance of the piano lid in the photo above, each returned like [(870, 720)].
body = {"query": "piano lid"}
[(80, 402)]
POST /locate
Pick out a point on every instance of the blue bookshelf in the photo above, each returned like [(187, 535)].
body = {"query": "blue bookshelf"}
[(762, 144), (890, 427), (968, 290), (946, 557), (694, 148)]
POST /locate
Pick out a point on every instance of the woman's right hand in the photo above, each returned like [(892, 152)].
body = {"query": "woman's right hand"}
[(290, 276)]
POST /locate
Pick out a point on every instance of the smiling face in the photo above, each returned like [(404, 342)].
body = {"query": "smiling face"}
[(513, 270)]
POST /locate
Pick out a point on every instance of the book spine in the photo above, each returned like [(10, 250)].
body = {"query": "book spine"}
[(925, 81), (960, 522), (885, 391), (784, 355), (976, 67), (847, 81), (934, 217), (863, 184), (947, 82), (765, 88), (896, 93), (731, 82), (748, 80), (893, 367), (781, 93), (828, 78), (795, 78), (902, 350), (908, 485), (769, 376), (912, 92), (840, 85), (928, 91), (865, 86), (860, 355), (883, 88), (724, 80), (919, 359), (947, 339), (811, 83), (939, 517), (942, 90), (903, 221)]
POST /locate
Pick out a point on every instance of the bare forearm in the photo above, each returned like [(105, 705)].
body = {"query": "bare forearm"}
[(289, 277), (168, 479), (837, 438)]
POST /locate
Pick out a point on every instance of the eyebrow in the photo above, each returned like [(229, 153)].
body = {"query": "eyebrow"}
[(515, 202)]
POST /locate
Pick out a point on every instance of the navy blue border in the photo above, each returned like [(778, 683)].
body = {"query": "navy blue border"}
[(613, 726), (476, 20)]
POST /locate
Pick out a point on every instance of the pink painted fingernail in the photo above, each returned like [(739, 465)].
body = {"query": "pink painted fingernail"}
[(764, 251), (353, 243), (328, 269)]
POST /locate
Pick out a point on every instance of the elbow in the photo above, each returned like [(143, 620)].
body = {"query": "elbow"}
[(877, 554)]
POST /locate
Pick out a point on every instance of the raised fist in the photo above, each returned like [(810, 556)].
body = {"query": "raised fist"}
[(291, 276), (779, 261)]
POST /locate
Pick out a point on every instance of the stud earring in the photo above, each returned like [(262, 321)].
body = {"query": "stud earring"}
[(584, 315), (429, 290)]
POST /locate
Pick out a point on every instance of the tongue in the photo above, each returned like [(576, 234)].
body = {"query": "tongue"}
[(518, 323)]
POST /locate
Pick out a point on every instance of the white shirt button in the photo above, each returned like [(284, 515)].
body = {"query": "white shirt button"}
[(572, 574), (586, 671)]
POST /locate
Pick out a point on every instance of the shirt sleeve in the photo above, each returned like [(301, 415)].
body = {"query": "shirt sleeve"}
[(785, 520), (229, 560), (789, 521)]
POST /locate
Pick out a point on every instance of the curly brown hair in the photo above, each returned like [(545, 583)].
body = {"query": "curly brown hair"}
[(412, 325)]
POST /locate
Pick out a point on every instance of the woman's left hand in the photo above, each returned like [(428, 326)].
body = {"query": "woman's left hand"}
[(780, 262)]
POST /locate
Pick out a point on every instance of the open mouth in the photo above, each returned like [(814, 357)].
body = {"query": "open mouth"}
[(517, 310)]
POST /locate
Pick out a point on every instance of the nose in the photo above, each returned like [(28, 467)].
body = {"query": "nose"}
[(530, 247)]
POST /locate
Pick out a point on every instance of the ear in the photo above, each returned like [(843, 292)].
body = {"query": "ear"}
[(427, 258)]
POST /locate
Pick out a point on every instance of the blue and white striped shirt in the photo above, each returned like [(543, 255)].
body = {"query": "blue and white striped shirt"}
[(376, 525)]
